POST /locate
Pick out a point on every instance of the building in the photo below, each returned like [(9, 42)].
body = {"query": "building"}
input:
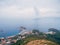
[(51, 32)]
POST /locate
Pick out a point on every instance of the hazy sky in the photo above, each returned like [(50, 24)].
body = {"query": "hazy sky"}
[(25, 8)]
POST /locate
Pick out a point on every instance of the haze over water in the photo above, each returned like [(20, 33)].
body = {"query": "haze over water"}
[(11, 27), (16, 13)]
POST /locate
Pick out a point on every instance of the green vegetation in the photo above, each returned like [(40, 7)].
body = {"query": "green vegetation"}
[(37, 35), (55, 37)]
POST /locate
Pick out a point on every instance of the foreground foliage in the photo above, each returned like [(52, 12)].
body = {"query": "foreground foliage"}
[(48, 38)]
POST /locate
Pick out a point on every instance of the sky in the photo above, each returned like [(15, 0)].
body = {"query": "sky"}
[(24, 9)]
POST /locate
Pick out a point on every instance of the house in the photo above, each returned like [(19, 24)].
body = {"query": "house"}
[(51, 32)]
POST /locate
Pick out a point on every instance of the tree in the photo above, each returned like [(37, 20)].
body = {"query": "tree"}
[(53, 29), (34, 31)]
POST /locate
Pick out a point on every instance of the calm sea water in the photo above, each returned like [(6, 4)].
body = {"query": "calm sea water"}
[(11, 26)]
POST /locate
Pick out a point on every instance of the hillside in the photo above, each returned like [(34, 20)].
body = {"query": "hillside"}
[(39, 38), (41, 42)]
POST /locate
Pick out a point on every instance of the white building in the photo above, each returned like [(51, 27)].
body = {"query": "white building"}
[(51, 32)]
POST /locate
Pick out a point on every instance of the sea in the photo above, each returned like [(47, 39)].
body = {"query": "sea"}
[(10, 27)]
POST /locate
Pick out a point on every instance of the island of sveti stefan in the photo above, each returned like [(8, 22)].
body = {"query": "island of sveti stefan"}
[(33, 37)]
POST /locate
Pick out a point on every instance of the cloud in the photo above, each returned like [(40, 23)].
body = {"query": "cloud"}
[(14, 11), (49, 12), (25, 8)]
